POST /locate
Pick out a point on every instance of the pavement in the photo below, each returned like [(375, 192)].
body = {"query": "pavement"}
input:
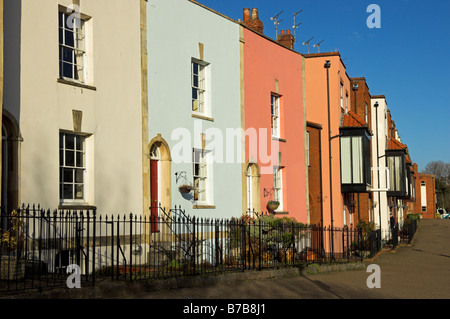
[(420, 270)]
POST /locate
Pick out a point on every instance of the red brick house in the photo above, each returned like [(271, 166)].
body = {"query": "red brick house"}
[(425, 204)]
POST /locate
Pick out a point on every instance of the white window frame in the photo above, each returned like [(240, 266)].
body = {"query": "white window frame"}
[(423, 195), (275, 115), (199, 87), (66, 168), (201, 175), (77, 51), (278, 186)]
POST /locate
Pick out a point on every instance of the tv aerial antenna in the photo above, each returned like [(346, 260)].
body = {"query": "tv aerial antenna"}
[(317, 45), (307, 43), (276, 22), (295, 26)]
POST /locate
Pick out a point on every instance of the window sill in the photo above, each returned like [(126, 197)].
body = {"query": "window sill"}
[(76, 206), (279, 139), (281, 213), (201, 206), (202, 117), (77, 84)]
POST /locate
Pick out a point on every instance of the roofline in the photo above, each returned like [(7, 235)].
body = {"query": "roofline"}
[(319, 55), (329, 54), (364, 80), (213, 11), (240, 23)]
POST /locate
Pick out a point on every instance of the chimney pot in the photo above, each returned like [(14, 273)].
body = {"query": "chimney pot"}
[(282, 31), (246, 14), (255, 15), (288, 31)]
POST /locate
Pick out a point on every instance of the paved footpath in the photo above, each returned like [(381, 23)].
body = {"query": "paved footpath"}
[(417, 271)]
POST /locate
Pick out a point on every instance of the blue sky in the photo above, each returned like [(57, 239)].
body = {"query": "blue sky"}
[(407, 59)]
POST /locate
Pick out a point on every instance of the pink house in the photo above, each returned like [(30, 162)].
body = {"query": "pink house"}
[(275, 123)]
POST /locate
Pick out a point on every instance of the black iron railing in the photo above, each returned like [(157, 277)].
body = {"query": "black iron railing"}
[(39, 246)]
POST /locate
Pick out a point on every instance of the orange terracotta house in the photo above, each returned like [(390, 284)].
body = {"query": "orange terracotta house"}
[(275, 122), (328, 90)]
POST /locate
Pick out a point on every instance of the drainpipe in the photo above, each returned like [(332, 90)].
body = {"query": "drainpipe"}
[(378, 163), (321, 187), (327, 67), (355, 88)]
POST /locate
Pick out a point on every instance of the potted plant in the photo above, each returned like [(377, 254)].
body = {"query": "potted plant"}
[(12, 267), (272, 205)]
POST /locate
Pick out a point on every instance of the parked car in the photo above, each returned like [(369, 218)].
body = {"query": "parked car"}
[(443, 213)]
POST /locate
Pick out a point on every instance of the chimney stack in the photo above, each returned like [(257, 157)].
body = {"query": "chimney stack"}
[(252, 21), (286, 39)]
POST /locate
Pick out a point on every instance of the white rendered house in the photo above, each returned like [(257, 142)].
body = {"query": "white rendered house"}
[(380, 173), (72, 122)]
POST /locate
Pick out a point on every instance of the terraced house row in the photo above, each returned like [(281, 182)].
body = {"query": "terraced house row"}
[(125, 105)]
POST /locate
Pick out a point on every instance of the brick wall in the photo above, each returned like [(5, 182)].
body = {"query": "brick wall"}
[(362, 208), (363, 98)]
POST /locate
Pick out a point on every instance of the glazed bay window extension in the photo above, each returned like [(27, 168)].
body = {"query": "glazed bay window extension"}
[(72, 54), (72, 167)]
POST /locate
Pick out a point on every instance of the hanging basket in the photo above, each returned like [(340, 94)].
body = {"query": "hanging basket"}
[(272, 205), (186, 188)]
